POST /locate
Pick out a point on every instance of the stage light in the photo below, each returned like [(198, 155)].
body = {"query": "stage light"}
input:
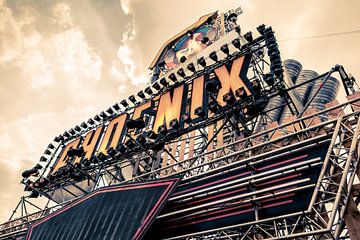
[(50, 146), (112, 152), (212, 86), (77, 128), (186, 118), (47, 152), (205, 40), (97, 118), (116, 107), (200, 112), (85, 162), (249, 37), (102, 157), (66, 134), (151, 134), (91, 121), (34, 194), (162, 129), (78, 152), (191, 67), (58, 138), (124, 103), (256, 86), (181, 73), (212, 106), (236, 43), (213, 56), (225, 49), (72, 131), (43, 159), (121, 148), (183, 59), (202, 62), (261, 29), (156, 86), (103, 115), (148, 91), (229, 98), (173, 77), (241, 93), (30, 172), (135, 124), (133, 99), (161, 64), (269, 79), (258, 105), (232, 17), (174, 124), (164, 82), (84, 125), (110, 111), (94, 159), (141, 95)]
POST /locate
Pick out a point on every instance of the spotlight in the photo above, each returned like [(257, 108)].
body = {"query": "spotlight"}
[(232, 17), (135, 124), (77, 128), (50, 146), (183, 59), (148, 91), (103, 115), (241, 93), (133, 99), (205, 40), (164, 82), (34, 194), (229, 98), (72, 131), (181, 73), (191, 67), (174, 124), (173, 77), (124, 103), (156, 86), (141, 95), (256, 86), (58, 138), (202, 62), (112, 152), (212, 86), (102, 157), (261, 29), (110, 111), (84, 125), (151, 134), (258, 105), (94, 159), (248, 36), (236, 43), (213, 56), (97, 118), (162, 129), (200, 112), (161, 64), (121, 148), (43, 159), (186, 118), (116, 107), (91, 121), (76, 152), (269, 79), (47, 152), (225, 49), (66, 134), (85, 162), (212, 106), (30, 172)]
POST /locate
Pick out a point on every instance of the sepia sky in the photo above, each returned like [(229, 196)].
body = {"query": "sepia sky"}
[(63, 61)]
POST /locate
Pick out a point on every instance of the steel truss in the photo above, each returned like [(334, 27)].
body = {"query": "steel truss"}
[(332, 189)]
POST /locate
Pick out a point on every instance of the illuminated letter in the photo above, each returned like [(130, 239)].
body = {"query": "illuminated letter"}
[(232, 80), (169, 109), (113, 134)]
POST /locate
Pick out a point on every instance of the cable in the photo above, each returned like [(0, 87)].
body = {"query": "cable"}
[(323, 35)]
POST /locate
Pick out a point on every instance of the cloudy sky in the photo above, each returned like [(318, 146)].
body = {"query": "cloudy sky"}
[(62, 61)]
